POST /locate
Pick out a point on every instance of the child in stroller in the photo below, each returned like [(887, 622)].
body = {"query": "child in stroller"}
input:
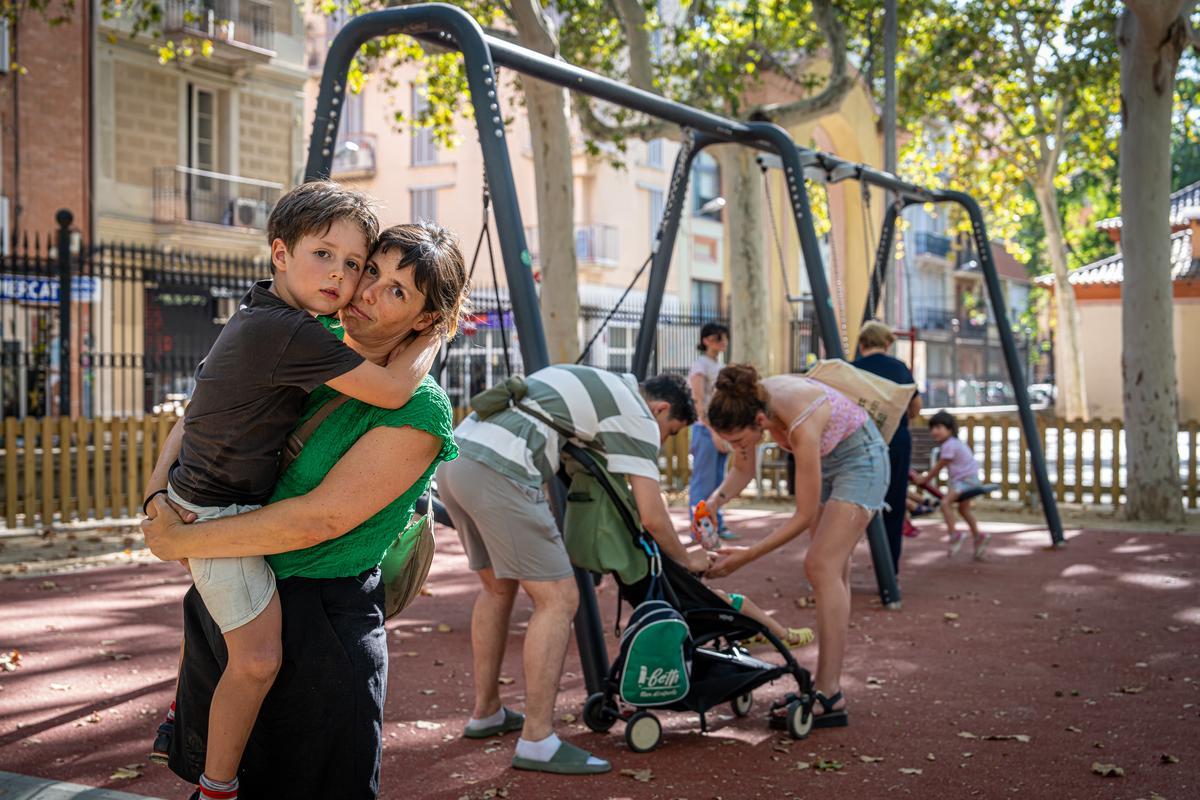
[(710, 651)]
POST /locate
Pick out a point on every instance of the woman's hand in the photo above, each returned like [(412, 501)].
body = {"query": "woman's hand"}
[(729, 560), (162, 529)]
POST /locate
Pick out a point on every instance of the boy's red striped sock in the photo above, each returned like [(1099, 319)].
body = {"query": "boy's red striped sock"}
[(171, 712), (218, 790)]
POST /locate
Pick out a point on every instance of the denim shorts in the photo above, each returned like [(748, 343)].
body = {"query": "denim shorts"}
[(858, 470), (960, 486)]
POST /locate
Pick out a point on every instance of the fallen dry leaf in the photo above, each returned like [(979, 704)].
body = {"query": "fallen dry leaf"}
[(1169, 759), (828, 765), (568, 718), (950, 615), (930, 757), (127, 772), (504, 680), (1088, 629), (910, 771), (643, 775), (10, 661), (426, 725), (1107, 770), (870, 759), (1132, 689), (443, 628), (427, 691), (1073, 729), (966, 735), (802, 765), (60, 687), (47, 585), (1042, 615), (1007, 737)]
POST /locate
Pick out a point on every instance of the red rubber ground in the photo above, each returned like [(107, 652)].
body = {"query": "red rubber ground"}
[(1092, 652)]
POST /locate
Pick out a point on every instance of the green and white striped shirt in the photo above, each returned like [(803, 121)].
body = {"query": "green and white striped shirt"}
[(604, 410)]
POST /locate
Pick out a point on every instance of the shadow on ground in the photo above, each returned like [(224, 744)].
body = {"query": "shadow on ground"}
[(1088, 654)]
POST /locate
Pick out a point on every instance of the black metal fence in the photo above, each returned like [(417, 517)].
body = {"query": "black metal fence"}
[(138, 320), (475, 359), (954, 367)]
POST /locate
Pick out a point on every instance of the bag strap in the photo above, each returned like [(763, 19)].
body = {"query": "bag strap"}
[(297, 438)]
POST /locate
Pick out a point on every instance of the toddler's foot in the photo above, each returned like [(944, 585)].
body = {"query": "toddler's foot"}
[(956, 540), (726, 535), (981, 546)]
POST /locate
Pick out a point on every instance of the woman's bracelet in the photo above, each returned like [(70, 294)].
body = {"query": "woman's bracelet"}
[(150, 499)]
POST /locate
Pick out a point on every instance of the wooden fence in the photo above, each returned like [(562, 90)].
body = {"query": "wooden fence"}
[(60, 470), (1087, 461)]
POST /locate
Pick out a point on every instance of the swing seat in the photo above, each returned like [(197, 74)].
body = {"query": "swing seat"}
[(976, 491)]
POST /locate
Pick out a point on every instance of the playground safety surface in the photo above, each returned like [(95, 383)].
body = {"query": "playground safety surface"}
[(1026, 675)]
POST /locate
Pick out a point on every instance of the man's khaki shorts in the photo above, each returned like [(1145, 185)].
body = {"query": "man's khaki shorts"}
[(502, 524)]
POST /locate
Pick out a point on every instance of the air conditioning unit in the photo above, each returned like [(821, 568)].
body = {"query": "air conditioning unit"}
[(249, 213)]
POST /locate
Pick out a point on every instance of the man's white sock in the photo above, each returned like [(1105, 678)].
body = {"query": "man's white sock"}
[(486, 722), (541, 750)]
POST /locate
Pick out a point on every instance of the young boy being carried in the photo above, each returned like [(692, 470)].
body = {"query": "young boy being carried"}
[(250, 390), (964, 475)]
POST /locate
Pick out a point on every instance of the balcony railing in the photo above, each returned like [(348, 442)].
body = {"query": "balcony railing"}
[(184, 194), (354, 156), (936, 319), (934, 244), (240, 23), (594, 244)]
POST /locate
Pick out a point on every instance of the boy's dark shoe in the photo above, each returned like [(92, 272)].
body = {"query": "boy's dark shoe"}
[(160, 752)]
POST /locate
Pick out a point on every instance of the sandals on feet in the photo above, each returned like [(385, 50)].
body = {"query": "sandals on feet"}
[(567, 760), (830, 717)]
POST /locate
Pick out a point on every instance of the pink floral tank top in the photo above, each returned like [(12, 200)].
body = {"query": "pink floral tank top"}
[(845, 418)]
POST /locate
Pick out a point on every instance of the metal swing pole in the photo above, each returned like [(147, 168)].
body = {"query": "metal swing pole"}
[(883, 258), (1012, 360), (664, 248), (793, 169)]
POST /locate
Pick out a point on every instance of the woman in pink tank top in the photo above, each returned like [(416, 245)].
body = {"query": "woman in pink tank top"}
[(841, 476)]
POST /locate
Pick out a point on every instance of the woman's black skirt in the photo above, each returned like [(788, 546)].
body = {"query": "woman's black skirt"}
[(319, 733)]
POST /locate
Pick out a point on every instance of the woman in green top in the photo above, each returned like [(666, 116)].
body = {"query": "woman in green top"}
[(333, 515)]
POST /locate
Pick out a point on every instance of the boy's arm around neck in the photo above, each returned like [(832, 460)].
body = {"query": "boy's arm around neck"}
[(391, 386)]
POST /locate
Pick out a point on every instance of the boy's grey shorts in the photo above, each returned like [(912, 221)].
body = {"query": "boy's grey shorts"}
[(234, 590), (503, 524)]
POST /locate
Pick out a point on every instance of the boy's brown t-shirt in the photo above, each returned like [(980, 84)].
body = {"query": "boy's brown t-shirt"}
[(250, 391)]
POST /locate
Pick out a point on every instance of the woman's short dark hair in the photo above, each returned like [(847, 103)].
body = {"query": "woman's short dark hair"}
[(738, 397), (674, 390), (711, 329), (438, 268), (944, 419)]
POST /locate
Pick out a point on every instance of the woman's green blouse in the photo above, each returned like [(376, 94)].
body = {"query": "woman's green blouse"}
[(362, 548)]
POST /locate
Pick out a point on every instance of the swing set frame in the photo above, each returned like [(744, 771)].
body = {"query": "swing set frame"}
[(448, 27)]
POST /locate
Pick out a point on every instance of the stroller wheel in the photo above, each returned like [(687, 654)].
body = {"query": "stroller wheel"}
[(799, 719), (597, 715), (643, 732), (742, 704)]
